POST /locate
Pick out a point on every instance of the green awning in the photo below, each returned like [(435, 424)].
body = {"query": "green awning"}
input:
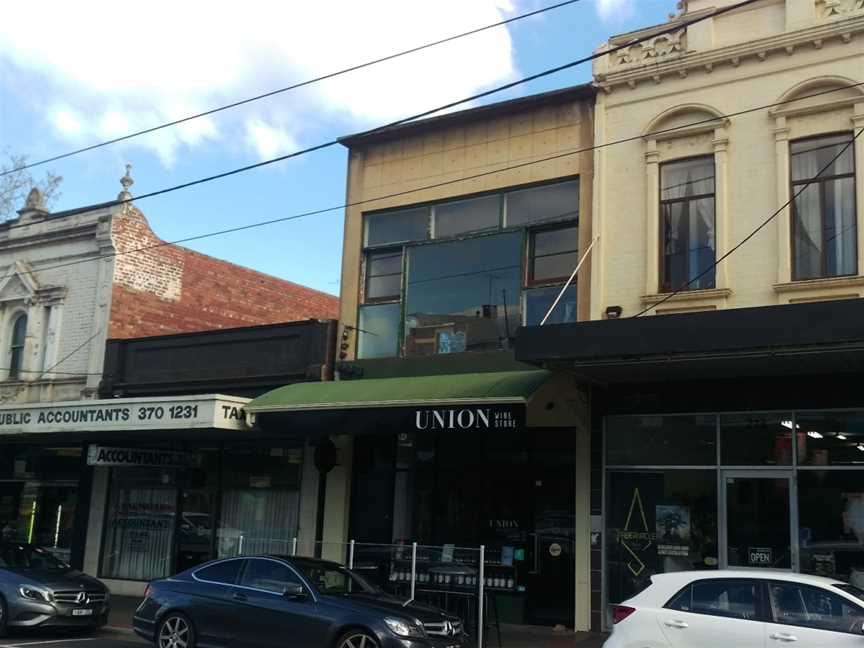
[(500, 387)]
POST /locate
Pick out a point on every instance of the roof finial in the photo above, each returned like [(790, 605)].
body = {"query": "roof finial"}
[(35, 199), (127, 182)]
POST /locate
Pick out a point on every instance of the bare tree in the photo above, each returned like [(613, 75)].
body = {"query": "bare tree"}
[(16, 183)]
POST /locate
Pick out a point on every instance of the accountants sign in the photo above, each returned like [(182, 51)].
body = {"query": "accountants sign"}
[(207, 411)]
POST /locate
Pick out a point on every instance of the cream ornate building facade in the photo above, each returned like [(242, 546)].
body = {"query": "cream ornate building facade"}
[(724, 122)]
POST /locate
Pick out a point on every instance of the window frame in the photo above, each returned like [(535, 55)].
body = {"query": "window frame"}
[(770, 608), (664, 285), (386, 299), (820, 183), (531, 255), (761, 611), (206, 566), (431, 239), (16, 349)]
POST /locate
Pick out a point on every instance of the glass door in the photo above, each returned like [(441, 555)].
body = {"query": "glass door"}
[(757, 509)]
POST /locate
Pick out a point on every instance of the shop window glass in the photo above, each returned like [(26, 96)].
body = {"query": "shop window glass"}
[(378, 334), (463, 295), (463, 216), (39, 496), (831, 523), (687, 222), (383, 275), (139, 524), (813, 607), (260, 500), (546, 203), (538, 301), (400, 226), (199, 488), (830, 438), (658, 522), (756, 439), (824, 222), (661, 440)]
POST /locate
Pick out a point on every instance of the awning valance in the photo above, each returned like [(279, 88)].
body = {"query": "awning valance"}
[(503, 387)]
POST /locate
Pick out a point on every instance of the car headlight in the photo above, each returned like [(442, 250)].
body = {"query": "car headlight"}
[(35, 593), (403, 628)]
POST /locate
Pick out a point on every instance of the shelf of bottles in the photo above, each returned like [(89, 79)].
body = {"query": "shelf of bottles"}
[(456, 572)]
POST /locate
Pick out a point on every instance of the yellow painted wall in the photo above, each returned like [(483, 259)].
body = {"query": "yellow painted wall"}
[(746, 59)]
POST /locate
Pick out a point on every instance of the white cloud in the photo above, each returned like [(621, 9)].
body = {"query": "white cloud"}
[(102, 73), (615, 10)]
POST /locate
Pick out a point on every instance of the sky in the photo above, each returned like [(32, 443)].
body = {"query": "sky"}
[(98, 69)]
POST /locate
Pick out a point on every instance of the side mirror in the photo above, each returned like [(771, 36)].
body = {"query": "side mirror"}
[(294, 592)]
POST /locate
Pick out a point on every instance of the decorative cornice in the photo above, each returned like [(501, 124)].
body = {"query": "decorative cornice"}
[(829, 283), (789, 43)]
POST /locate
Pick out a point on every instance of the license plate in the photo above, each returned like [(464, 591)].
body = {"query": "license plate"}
[(85, 612)]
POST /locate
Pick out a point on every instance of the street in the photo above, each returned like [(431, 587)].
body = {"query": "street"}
[(102, 639)]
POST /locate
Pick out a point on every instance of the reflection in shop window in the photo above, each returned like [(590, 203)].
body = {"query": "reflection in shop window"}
[(39, 496), (139, 524), (831, 522), (661, 440), (463, 295), (756, 439), (658, 522), (830, 438)]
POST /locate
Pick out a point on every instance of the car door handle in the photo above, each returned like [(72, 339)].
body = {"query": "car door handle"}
[(676, 624), (782, 636), (237, 596)]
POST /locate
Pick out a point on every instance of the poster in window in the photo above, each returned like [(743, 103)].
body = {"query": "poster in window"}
[(673, 530)]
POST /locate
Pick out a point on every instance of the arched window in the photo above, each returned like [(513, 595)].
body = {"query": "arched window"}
[(16, 348)]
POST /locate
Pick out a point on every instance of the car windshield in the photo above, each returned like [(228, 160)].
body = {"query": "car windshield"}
[(17, 556), (335, 579), (857, 592)]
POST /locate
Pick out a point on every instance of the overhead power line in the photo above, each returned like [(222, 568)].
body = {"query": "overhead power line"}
[(427, 113), (761, 226), (444, 183), (295, 86)]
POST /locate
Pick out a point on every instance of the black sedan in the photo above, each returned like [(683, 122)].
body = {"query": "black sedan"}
[(39, 590), (270, 601)]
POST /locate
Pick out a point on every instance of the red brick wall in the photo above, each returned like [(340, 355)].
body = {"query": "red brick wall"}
[(171, 289)]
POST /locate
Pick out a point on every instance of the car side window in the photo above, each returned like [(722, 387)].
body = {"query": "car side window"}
[(268, 575), (734, 599), (224, 572), (813, 607)]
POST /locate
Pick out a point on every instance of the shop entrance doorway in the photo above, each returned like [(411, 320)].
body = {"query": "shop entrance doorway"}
[(757, 517)]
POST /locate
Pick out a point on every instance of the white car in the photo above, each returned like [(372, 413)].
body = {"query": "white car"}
[(740, 609)]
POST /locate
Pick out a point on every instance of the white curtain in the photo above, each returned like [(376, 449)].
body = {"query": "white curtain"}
[(257, 521), (140, 533)]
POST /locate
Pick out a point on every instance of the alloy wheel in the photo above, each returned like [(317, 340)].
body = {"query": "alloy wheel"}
[(358, 640), (175, 633)]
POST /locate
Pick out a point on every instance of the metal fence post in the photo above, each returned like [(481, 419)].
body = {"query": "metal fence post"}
[(413, 569), (480, 606), (294, 546), (351, 556)]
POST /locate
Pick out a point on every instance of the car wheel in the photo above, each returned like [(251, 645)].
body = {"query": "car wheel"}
[(175, 631), (357, 639), (4, 611)]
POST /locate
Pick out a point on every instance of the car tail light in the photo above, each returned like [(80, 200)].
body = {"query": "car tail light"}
[(621, 612)]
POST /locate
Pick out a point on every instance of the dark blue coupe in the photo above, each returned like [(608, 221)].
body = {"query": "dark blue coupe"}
[(270, 601)]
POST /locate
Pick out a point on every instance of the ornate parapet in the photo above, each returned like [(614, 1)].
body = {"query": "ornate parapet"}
[(661, 47), (826, 9)]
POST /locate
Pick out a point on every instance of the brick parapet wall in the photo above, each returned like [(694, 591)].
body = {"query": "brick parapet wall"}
[(171, 289)]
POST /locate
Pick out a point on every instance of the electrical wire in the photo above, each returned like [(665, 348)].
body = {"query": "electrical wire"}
[(444, 183), (295, 86), (399, 122), (761, 226)]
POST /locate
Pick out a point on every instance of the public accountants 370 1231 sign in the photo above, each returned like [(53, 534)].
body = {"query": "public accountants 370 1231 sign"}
[(211, 411)]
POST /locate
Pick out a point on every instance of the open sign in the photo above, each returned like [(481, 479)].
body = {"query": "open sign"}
[(760, 556)]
